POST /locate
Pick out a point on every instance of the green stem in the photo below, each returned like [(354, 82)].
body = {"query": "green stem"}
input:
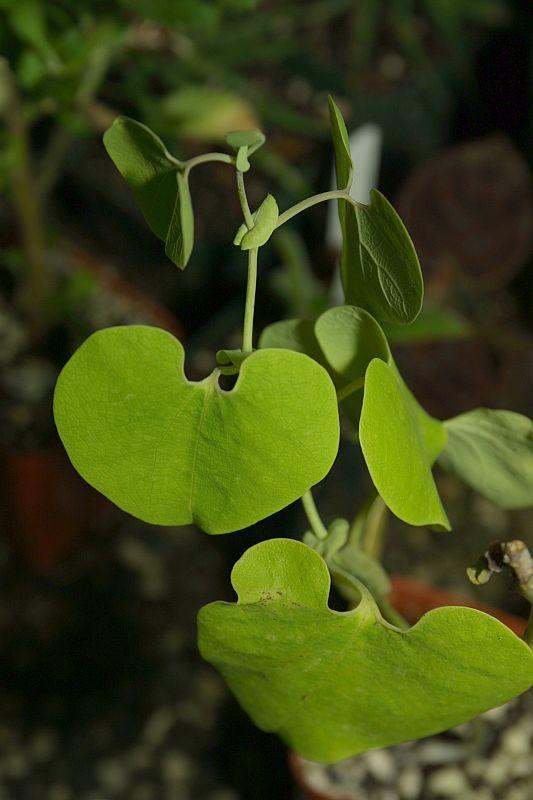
[(247, 214), (350, 388), (207, 158), (248, 326), (318, 527), (335, 194)]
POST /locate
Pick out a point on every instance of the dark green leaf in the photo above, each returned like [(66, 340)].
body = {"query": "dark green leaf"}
[(180, 235)]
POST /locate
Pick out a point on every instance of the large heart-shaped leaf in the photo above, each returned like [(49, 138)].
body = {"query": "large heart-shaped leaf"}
[(158, 184), (397, 455), (171, 451), (379, 266), (335, 684), (492, 451)]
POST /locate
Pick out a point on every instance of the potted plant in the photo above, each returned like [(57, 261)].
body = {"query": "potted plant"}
[(260, 431)]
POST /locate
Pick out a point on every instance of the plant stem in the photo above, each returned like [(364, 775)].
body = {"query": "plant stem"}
[(248, 326), (350, 388), (335, 194), (207, 158), (318, 527), (247, 214)]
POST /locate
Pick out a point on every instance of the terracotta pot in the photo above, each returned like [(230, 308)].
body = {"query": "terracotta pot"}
[(48, 507), (412, 599)]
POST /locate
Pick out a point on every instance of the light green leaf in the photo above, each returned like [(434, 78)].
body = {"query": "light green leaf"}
[(252, 140), (350, 338), (492, 451), (336, 684), (172, 451), (146, 165), (292, 334), (265, 221), (180, 235), (379, 266), (394, 449)]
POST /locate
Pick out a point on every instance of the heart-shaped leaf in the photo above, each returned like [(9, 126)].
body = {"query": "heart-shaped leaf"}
[(394, 447), (158, 184), (379, 266), (492, 451), (171, 451), (336, 684)]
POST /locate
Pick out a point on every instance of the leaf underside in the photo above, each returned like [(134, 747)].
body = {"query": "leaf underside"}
[(336, 684)]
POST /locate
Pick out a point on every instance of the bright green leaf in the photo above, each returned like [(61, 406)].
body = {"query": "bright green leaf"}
[(171, 451), (180, 235), (145, 164), (492, 451), (336, 684), (292, 334), (395, 451), (265, 221)]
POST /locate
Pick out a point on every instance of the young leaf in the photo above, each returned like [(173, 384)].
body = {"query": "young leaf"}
[(395, 451), (291, 661), (180, 235), (172, 451), (160, 188), (386, 278), (252, 140), (265, 221), (379, 266), (145, 164), (492, 451)]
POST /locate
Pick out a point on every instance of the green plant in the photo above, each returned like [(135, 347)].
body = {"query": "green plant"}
[(174, 451)]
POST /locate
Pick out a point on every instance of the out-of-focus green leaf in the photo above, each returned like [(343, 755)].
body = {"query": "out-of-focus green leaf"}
[(492, 451)]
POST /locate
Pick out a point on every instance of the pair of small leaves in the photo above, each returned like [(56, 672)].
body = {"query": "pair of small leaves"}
[(492, 451), (400, 441), (171, 451), (245, 143), (158, 183), (379, 266), (291, 661), (265, 220)]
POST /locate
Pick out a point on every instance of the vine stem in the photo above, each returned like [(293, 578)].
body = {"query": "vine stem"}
[(318, 527), (350, 388), (248, 325), (206, 158), (244, 201), (334, 194)]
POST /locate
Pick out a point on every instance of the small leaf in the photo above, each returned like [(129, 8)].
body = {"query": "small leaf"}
[(252, 140), (241, 162), (386, 278), (145, 164), (172, 451), (336, 684), (379, 266), (395, 451), (341, 144), (492, 451), (265, 221), (292, 334), (180, 236)]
